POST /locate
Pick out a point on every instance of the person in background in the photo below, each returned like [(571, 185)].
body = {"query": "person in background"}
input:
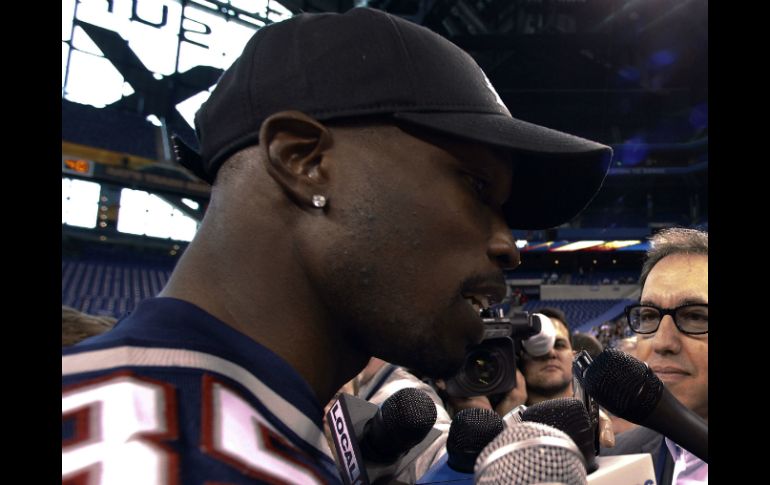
[(671, 323), (77, 326), (539, 378)]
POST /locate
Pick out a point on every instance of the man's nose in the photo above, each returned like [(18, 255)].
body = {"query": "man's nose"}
[(668, 338), (502, 246)]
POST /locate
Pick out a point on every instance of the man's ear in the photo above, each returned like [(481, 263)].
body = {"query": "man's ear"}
[(295, 145)]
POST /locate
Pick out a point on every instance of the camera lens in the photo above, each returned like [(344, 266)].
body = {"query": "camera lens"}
[(483, 367), (489, 368)]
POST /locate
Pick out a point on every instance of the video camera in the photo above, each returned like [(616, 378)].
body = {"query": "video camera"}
[(490, 366)]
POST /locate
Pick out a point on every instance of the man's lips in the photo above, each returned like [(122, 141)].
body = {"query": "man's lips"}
[(472, 321), (669, 371), (489, 288), (480, 292), (488, 294)]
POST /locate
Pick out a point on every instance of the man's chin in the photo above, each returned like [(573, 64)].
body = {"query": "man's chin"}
[(549, 388), (442, 370), (679, 392), (438, 368), (437, 359)]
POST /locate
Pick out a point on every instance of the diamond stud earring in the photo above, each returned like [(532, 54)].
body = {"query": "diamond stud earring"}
[(319, 201)]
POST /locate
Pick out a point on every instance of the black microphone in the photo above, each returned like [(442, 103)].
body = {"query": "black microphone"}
[(402, 421), (471, 430), (628, 388), (529, 453), (569, 415), (375, 443)]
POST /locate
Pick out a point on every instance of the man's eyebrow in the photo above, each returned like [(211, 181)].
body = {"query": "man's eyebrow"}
[(690, 300)]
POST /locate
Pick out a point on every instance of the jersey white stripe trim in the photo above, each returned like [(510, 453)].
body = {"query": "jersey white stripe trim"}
[(166, 357)]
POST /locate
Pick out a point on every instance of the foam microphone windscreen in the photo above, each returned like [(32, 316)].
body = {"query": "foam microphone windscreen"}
[(530, 453), (569, 415), (471, 430), (624, 385), (402, 421), (542, 342)]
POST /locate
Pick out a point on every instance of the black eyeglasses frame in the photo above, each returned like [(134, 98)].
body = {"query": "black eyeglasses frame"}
[(663, 312)]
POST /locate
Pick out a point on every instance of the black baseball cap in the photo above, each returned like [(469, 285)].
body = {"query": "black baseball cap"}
[(367, 62)]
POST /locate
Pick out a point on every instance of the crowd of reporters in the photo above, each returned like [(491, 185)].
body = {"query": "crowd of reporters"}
[(546, 381)]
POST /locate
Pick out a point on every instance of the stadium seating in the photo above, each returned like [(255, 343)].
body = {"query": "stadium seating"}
[(110, 288), (583, 314)]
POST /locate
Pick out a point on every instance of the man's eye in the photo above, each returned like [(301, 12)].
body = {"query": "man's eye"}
[(478, 185), (649, 315), (695, 315)]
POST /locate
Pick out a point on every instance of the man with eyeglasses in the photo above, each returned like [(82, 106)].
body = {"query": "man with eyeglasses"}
[(671, 323)]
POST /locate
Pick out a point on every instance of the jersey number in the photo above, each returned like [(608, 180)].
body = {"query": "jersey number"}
[(122, 421)]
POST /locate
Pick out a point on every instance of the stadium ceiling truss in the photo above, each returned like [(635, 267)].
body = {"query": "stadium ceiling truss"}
[(631, 73), (576, 55)]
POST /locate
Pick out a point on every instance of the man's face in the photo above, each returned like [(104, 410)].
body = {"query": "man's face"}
[(680, 360), (416, 231), (550, 374)]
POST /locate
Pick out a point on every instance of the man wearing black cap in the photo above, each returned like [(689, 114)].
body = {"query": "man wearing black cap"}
[(365, 179)]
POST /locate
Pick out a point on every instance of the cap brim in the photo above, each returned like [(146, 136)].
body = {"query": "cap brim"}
[(555, 174)]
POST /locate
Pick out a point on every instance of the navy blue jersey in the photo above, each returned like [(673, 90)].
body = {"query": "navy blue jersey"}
[(172, 395)]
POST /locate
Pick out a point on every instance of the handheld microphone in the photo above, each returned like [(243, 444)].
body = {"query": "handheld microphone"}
[(471, 430), (530, 453), (475, 428), (377, 442), (569, 415), (628, 388), (349, 459), (403, 420)]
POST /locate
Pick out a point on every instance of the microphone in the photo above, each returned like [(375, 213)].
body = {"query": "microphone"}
[(403, 420), (540, 343), (569, 415), (374, 443), (471, 430), (628, 388), (530, 453)]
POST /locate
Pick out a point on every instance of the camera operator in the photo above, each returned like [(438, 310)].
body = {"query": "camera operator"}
[(538, 378), (547, 376)]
